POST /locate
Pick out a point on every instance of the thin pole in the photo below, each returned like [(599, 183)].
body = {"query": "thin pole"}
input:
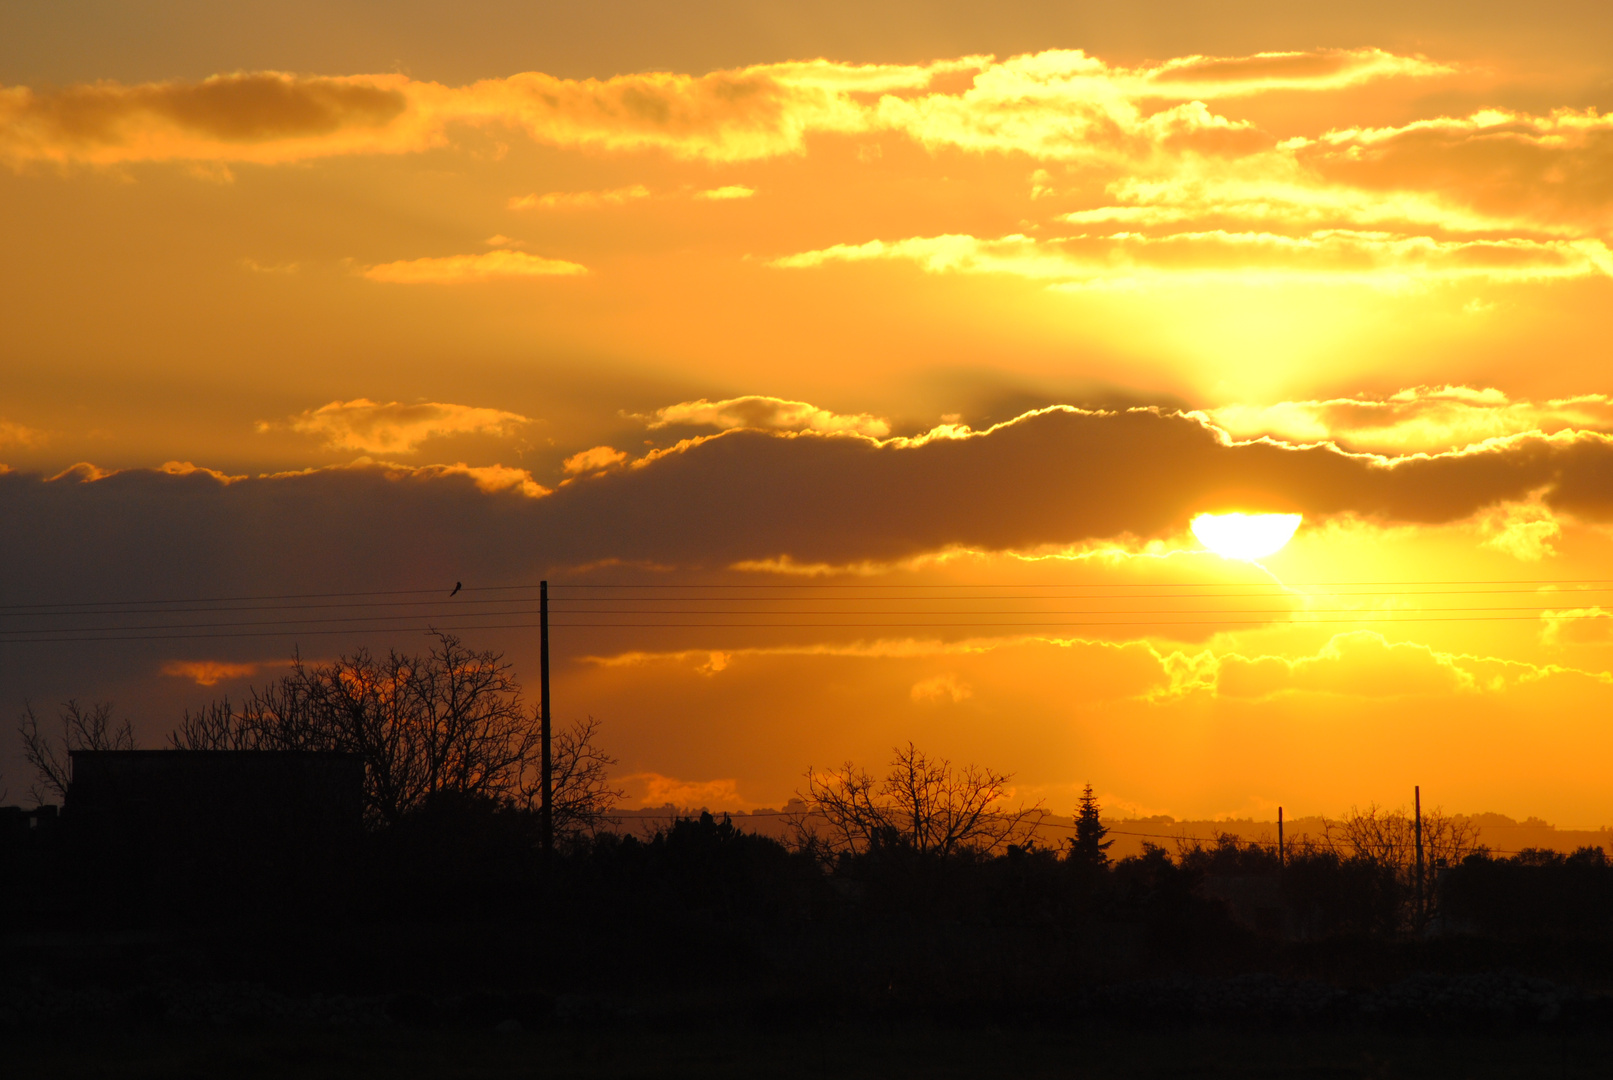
[(1417, 802), (1282, 859), (546, 814)]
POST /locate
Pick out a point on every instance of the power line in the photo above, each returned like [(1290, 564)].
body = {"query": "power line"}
[(1499, 581), (148, 608), (65, 635), (1388, 615), (244, 598)]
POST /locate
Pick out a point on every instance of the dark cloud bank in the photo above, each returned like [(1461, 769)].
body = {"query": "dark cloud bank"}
[(1055, 477)]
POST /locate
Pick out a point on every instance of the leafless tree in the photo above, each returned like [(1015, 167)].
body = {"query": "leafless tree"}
[(582, 795), (1389, 839), (450, 720), (922, 804), (81, 728)]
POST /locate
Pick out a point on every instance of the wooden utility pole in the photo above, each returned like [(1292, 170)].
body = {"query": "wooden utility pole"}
[(1282, 855), (1417, 805), (546, 814)]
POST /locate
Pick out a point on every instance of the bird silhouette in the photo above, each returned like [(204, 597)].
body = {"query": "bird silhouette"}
[(457, 586)]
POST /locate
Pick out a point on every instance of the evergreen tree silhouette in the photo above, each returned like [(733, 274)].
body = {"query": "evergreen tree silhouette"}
[(1089, 848)]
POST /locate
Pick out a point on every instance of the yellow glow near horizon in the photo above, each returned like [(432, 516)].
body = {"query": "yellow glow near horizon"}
[(1245, 536)]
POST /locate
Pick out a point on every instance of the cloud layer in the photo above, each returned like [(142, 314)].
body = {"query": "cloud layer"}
[(1059, 477), (1145, 175)]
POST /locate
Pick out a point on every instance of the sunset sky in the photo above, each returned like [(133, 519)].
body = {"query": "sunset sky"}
[(853, 372)]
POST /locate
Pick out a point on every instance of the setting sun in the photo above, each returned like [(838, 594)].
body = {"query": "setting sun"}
[(1245, 536)]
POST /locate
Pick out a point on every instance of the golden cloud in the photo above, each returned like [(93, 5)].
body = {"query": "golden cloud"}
[(395, 428), (1417, 419), (457, 269), (767, 413), (1132, 260), (1496, 195), (1359, 663), (1524, 528), (1057, 104), (730, 191), (580, 200), (1577, 626)]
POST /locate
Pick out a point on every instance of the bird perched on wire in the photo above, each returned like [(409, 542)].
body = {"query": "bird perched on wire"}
[(457, 586)]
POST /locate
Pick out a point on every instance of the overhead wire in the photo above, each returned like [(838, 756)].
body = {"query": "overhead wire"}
[(561, 585), (805, 606)]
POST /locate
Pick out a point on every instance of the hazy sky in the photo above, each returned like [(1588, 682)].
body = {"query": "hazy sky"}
[(939, 321)]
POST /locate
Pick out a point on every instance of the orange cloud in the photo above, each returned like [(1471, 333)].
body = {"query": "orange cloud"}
[(19, 434), (654, 789), (266, 117), (373, 428), (491, 479), (1511, 167), (457, 269), (208, 672), (941, 688), (600, 457)]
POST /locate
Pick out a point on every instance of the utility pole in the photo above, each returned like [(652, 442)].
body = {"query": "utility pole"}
[(546, 814), (1417, 804), (1282, 856)]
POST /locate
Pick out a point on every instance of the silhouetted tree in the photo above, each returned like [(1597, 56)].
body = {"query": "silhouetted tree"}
[(1089, 848), (1387, 838), (82, 728), (923, 804), (448, 721), (581, 794)]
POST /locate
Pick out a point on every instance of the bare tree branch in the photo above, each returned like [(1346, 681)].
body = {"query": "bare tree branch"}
[(923, 804), (1388, 839), (451, 720), (581, 791), (82, 728)]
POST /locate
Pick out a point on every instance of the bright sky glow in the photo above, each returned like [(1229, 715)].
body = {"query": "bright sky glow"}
[(1245, 536), (804, 322)]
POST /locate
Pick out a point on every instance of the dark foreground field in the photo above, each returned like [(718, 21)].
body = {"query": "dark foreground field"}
[(707, 952), (715, 1051)]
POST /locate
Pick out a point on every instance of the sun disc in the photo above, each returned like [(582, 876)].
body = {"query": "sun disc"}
[(1245, 536)]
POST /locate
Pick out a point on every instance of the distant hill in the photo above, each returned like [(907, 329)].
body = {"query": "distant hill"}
[(1502, 834)]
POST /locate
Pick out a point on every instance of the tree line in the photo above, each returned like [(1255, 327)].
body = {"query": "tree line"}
[(449, 727)]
